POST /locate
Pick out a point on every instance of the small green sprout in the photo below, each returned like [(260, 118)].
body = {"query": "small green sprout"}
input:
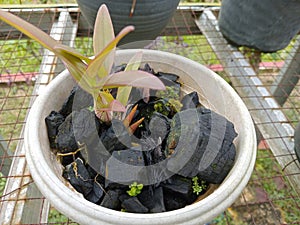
[(91, 108), (197, 188), (135, 189)]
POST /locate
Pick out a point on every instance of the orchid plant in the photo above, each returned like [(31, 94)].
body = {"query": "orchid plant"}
[(93, 74)]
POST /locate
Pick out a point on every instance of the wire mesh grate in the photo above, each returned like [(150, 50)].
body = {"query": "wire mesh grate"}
[(272, 194)]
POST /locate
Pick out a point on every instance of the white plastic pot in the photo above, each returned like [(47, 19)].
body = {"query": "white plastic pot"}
[(214, 92)]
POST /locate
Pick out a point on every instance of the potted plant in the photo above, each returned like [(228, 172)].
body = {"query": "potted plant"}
[(148, 17), (171, 155), (266, 25)]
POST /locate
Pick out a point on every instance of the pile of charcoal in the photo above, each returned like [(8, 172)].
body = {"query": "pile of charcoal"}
[(178, 150)]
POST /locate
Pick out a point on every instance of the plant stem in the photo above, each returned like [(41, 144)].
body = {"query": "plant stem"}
[(132, 8)]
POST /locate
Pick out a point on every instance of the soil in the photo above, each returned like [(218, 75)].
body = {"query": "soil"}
[(258, 210)]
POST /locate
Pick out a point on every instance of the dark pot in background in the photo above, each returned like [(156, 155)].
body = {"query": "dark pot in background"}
[(267, 25), (297, 141), (150, 16)]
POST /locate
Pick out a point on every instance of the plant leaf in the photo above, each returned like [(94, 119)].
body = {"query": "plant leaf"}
[(136, 78), (133, 64), (103, 30), (103, 35), (116, 106), (103, 100), (71, 51), (28, 29), (77, 69), (95, 65), (105, 105)]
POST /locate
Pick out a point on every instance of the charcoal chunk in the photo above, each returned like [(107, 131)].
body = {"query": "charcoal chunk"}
[(86, 127), (152, 150), (202, 142), (222, 134), (130, 156), (190, 101), (65, 140), (153, 199), (53, 121), (77, 174), (220, 166), (147, 110), (119, 68), (172, 201), (179, 185), (77, 100), (133, 205), (111, 199), (168, 76), (182, 144), (116, 137), (96, 194), (159, 126), (148, 69), (123, 167), (99, 139)]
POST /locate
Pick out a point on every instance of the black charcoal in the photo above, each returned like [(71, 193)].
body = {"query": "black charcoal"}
[(78, 99), (190, 101), (202, 141), (53, 121), (116, 137), (153, 199), (133, 205), (77, 174), (111, 200), (65, 140), (159, 126)]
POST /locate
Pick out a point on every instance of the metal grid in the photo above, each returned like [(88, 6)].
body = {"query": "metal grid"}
[(272, 195)]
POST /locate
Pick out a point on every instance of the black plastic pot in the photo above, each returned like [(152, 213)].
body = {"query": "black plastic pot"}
[(149, 17), (267, 25)]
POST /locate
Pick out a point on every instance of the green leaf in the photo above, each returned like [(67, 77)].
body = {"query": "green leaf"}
[(133, 64), (135, 189), (140, 186), (28, 29), (103, 100)]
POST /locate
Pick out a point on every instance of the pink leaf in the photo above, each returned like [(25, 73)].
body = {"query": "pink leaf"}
[(135, 79)]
